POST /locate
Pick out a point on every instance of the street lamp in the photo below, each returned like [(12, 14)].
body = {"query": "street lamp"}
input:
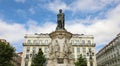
[(90, 54)]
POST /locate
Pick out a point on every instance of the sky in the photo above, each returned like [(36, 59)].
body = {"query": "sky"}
[(100, 18)]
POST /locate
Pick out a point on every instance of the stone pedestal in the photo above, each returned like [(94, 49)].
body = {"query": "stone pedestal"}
[(60, 49)]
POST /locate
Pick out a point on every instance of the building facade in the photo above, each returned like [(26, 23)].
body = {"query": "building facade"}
[(16, 60), (81, 44), (110, 54), (3, 40)]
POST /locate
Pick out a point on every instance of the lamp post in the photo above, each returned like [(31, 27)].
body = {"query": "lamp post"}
[(90, 54)]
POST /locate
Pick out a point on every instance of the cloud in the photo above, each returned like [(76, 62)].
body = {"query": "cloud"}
[(80, 5), (12, 32), (55, 5), (89, 5), (20, 1), (34, 27)]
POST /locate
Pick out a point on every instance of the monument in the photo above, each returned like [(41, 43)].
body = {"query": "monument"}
[(60, 20), (60, 48)]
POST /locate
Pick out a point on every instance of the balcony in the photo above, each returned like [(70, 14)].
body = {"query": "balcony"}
[(35, 44), (86, 44)]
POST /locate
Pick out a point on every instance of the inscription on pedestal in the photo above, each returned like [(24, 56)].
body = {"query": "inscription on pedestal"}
[(60, 60)]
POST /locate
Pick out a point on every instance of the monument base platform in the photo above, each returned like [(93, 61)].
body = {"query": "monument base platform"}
[(64, 65), (60, 65)]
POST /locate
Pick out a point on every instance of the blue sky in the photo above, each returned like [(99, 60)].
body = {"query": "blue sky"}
[(91, 17)]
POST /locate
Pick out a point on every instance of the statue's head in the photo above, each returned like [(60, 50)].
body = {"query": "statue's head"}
[(60, 11)]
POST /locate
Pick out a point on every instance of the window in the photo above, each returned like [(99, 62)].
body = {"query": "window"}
[(35, 41), (28, 49), (84, 56), (83, 41), (46, 42), (89, 42), (46, 49), (29, 42), (40, 41), (34, 50), (77, 42), (27, 56), (78, 50), (26, 63), (84, 50)]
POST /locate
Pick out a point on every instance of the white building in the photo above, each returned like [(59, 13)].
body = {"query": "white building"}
[(81, 45), (110, 54)]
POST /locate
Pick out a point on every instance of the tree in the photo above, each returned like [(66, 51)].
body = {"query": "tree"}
[(81, 61), (6, 54), (39, 59)]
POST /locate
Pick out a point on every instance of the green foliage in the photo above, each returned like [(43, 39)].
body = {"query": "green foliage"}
[(39, 59), (6, 54), (81, 61)]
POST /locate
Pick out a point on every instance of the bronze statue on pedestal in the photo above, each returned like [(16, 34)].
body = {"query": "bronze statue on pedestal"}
[(60, 20)]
